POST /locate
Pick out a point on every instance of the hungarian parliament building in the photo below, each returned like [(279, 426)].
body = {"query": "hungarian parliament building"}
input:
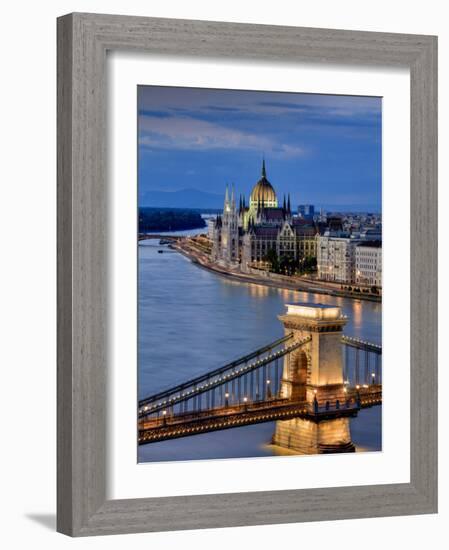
[(245, 234), (249, 236)]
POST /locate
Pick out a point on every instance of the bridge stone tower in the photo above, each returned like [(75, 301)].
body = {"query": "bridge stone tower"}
[(314, 374)]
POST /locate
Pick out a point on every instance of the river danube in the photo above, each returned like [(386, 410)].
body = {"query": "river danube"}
[(192, 321)]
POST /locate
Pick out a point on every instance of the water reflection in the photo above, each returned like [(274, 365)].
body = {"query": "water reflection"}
[(357, 313), (258, 291), (191, 320)]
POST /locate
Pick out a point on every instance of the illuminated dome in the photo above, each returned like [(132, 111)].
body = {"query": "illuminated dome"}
[(263, 192)]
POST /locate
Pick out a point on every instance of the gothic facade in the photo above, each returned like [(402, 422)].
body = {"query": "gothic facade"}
[(246, 236)]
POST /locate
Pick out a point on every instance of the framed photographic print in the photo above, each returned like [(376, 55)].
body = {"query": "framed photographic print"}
[(271, 288), (247, 274)]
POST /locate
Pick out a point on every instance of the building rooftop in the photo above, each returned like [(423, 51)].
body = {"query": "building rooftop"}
[(263, 192), (305, 230), (265, 231), (273, 213), (371, 244)]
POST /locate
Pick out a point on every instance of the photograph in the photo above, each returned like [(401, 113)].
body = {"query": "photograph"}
[(259, 274)]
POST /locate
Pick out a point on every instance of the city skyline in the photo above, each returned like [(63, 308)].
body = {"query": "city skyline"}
[(322, 149)]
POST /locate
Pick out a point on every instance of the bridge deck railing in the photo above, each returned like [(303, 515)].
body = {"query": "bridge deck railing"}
[(355, 399), (248, 379)]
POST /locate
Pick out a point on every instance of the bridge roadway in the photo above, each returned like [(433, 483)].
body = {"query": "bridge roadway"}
[(191, 423)]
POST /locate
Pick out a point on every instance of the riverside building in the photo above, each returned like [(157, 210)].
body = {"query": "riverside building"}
[(350, 258), (368, 263)]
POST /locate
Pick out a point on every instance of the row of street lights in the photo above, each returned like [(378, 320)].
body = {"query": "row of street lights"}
[(269, 395), (227, 395), (245, 398)]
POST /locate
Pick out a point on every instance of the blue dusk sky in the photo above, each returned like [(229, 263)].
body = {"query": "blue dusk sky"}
[(322, 149)]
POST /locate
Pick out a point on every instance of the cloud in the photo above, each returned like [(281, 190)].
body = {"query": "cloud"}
[(223, 108), (322, 148), (337, 112), (284, 105), (188, 133)]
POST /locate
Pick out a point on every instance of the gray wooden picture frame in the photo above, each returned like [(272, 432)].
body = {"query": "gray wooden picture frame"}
[(83, 41)]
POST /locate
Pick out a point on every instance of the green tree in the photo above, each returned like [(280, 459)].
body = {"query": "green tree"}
[(272, 258)]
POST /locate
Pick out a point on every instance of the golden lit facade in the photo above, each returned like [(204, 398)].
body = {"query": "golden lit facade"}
[(314, 373), (245, 236), (263, 193)]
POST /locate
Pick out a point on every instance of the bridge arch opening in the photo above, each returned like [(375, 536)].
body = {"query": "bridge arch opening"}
[(299, 364)]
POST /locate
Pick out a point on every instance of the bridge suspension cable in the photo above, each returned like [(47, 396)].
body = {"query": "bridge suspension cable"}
[(240, 379), (362, 362), (361, 344), (219, 370)]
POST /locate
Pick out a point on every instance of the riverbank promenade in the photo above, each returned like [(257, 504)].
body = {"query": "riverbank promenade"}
[(197, 251)]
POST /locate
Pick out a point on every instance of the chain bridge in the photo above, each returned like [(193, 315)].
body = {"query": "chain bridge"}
[(310, 381)]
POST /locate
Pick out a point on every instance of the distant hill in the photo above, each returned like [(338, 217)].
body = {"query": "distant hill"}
[(185, 198)]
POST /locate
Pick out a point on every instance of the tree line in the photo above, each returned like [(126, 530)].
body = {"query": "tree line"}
[(151, 219), (287, 265)]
